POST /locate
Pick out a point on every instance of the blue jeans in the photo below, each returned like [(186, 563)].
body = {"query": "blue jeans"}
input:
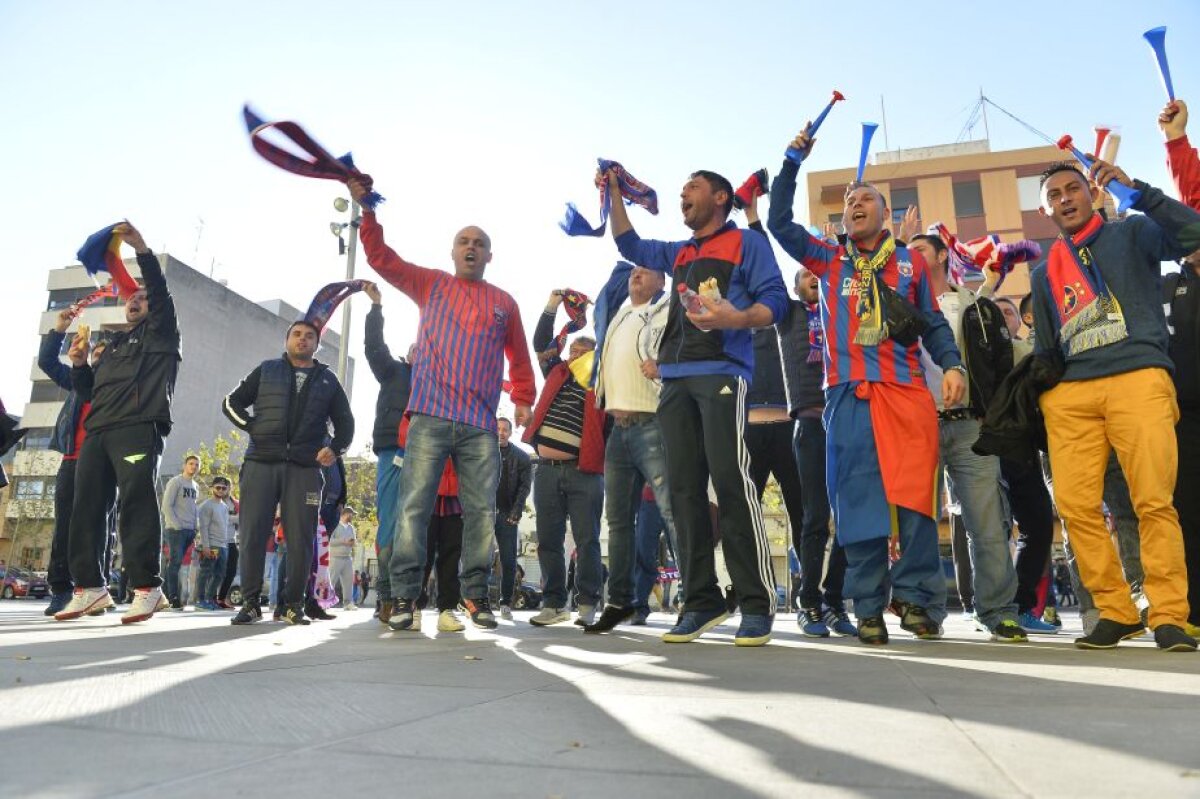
[(561, 491), (270, 566), (212, 572), (916, 577), (633, 457), (177, 544), (650, 525), (506, 543), (387, 493), (974, 483), (476, 456)]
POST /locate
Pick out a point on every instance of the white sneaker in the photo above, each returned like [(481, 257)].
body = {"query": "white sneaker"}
[(549, 615), (146, 602), (506, 612), (351, 606), (448, 622), (587, 615), (85, 600), (416, 625)]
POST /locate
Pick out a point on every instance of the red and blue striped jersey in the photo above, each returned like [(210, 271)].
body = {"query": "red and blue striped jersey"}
[(466, 329)]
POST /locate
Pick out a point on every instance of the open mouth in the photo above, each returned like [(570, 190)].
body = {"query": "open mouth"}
[(469, 257), (858, 216), (685, 207)]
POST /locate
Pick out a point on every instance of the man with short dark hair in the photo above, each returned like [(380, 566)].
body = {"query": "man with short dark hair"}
[(516, 480), (212, 543), (130, 388), (731, 283), (180, 511), (295, 398), (880, 417), (1097, 305)]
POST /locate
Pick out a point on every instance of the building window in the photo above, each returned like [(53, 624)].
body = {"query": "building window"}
[(968, 199), (47, 391), (836, 218), (901, 200), (36, 438), (30, 488)]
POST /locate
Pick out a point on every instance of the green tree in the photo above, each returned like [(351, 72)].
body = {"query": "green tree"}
[(223, 457)]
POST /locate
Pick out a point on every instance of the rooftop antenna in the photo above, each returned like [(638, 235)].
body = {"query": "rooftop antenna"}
[(986, 133), (883, 115), (199, 233)]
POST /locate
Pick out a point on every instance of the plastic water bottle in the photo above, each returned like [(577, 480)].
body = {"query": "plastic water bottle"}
[(690, 299)]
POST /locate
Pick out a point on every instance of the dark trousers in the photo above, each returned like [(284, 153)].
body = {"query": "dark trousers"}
[(1034, 513), (959, 547), (297, 491), (231, 567), (1187, 502), (703, 422), (443, 548), (59, 572), (506, 544), (125, 460), (562, 492), (812, 537)]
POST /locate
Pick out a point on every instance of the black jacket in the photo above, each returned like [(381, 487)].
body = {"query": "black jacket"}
[(516, 477), (63, 438), (804, 380), (1181, 299), (769, 386), (1014, 427), (135, 378), (987, 350), (395, 383), (287, 426)]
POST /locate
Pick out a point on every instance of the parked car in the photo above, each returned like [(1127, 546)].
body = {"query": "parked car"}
[(527, 597), (22, 583)]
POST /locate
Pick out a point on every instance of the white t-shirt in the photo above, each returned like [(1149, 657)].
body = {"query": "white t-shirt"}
[(625, 387)]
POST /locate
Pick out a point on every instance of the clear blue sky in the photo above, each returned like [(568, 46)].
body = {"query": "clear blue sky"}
[(492, 114)]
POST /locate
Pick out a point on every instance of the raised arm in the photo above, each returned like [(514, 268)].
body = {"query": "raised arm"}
[(51, 346), (794, 238), (161, 313), (1182, 160), (646, 253), (543, 333), (379, 357), (413, 280)]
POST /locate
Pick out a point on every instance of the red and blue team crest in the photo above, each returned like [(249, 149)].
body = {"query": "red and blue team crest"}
[(905, 268), (1073, 297)]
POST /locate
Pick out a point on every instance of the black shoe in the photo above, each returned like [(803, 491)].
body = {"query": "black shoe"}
[(481, 613), (1171, 638), (249, 613), (1108, 634), (401, 617), (639, 617), (611, 617), (294, 615), (872, 631), (313, 610), (916, 620)]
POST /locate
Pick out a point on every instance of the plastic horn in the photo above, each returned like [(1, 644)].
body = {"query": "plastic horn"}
[(1124, 195), (1111, 145), (868, 132), (1157, 37), (794, 155), (1101, 134)]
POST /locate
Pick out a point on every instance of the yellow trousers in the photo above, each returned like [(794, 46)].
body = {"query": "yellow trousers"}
[(1135, 414)]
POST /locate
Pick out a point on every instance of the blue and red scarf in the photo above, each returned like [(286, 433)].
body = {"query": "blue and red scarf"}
[(633, 192), (320, 165), (576, 305), (1089, 314), (816, 332), (328, 299), (102, 253)]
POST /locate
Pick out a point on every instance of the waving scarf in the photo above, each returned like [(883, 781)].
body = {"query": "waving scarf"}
[(328, 299), (1089, 314), (633, 192), (872, 326), (320, 165), (816, 332), (576, 305), (102, 253), (969, 259)]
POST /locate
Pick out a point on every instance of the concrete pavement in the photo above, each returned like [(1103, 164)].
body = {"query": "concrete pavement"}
[(186, 705)]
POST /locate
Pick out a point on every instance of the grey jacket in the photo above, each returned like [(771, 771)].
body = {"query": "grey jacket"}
[(214, 524), (179, 503)]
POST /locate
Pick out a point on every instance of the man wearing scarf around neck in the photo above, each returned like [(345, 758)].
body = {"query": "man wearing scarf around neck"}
[(568, 432), (882, 445), (1097, 303)]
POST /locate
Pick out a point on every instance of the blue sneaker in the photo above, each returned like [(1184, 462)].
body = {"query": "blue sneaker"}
[(694, 623), (1033, 624), (57, 602), (755, 630), (812, 623), (840, 623)]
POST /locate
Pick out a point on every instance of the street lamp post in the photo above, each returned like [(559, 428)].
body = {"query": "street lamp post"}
[(351, 252)]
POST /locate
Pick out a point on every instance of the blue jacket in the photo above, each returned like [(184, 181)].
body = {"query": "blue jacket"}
[(746, 272), (63, 438)]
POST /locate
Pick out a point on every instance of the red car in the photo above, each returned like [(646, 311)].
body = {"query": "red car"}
[(22, 583)]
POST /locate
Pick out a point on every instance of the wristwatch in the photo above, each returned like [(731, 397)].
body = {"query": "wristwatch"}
[(962, 370)]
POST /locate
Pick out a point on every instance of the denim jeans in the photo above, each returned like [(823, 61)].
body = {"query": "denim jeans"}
[(177, 544), (476, 456), (973, 482), (506, 544), (270, 567), (650, 525), (212, 572), (633, 457), (561, 491), (916, 577), (387, 493)]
